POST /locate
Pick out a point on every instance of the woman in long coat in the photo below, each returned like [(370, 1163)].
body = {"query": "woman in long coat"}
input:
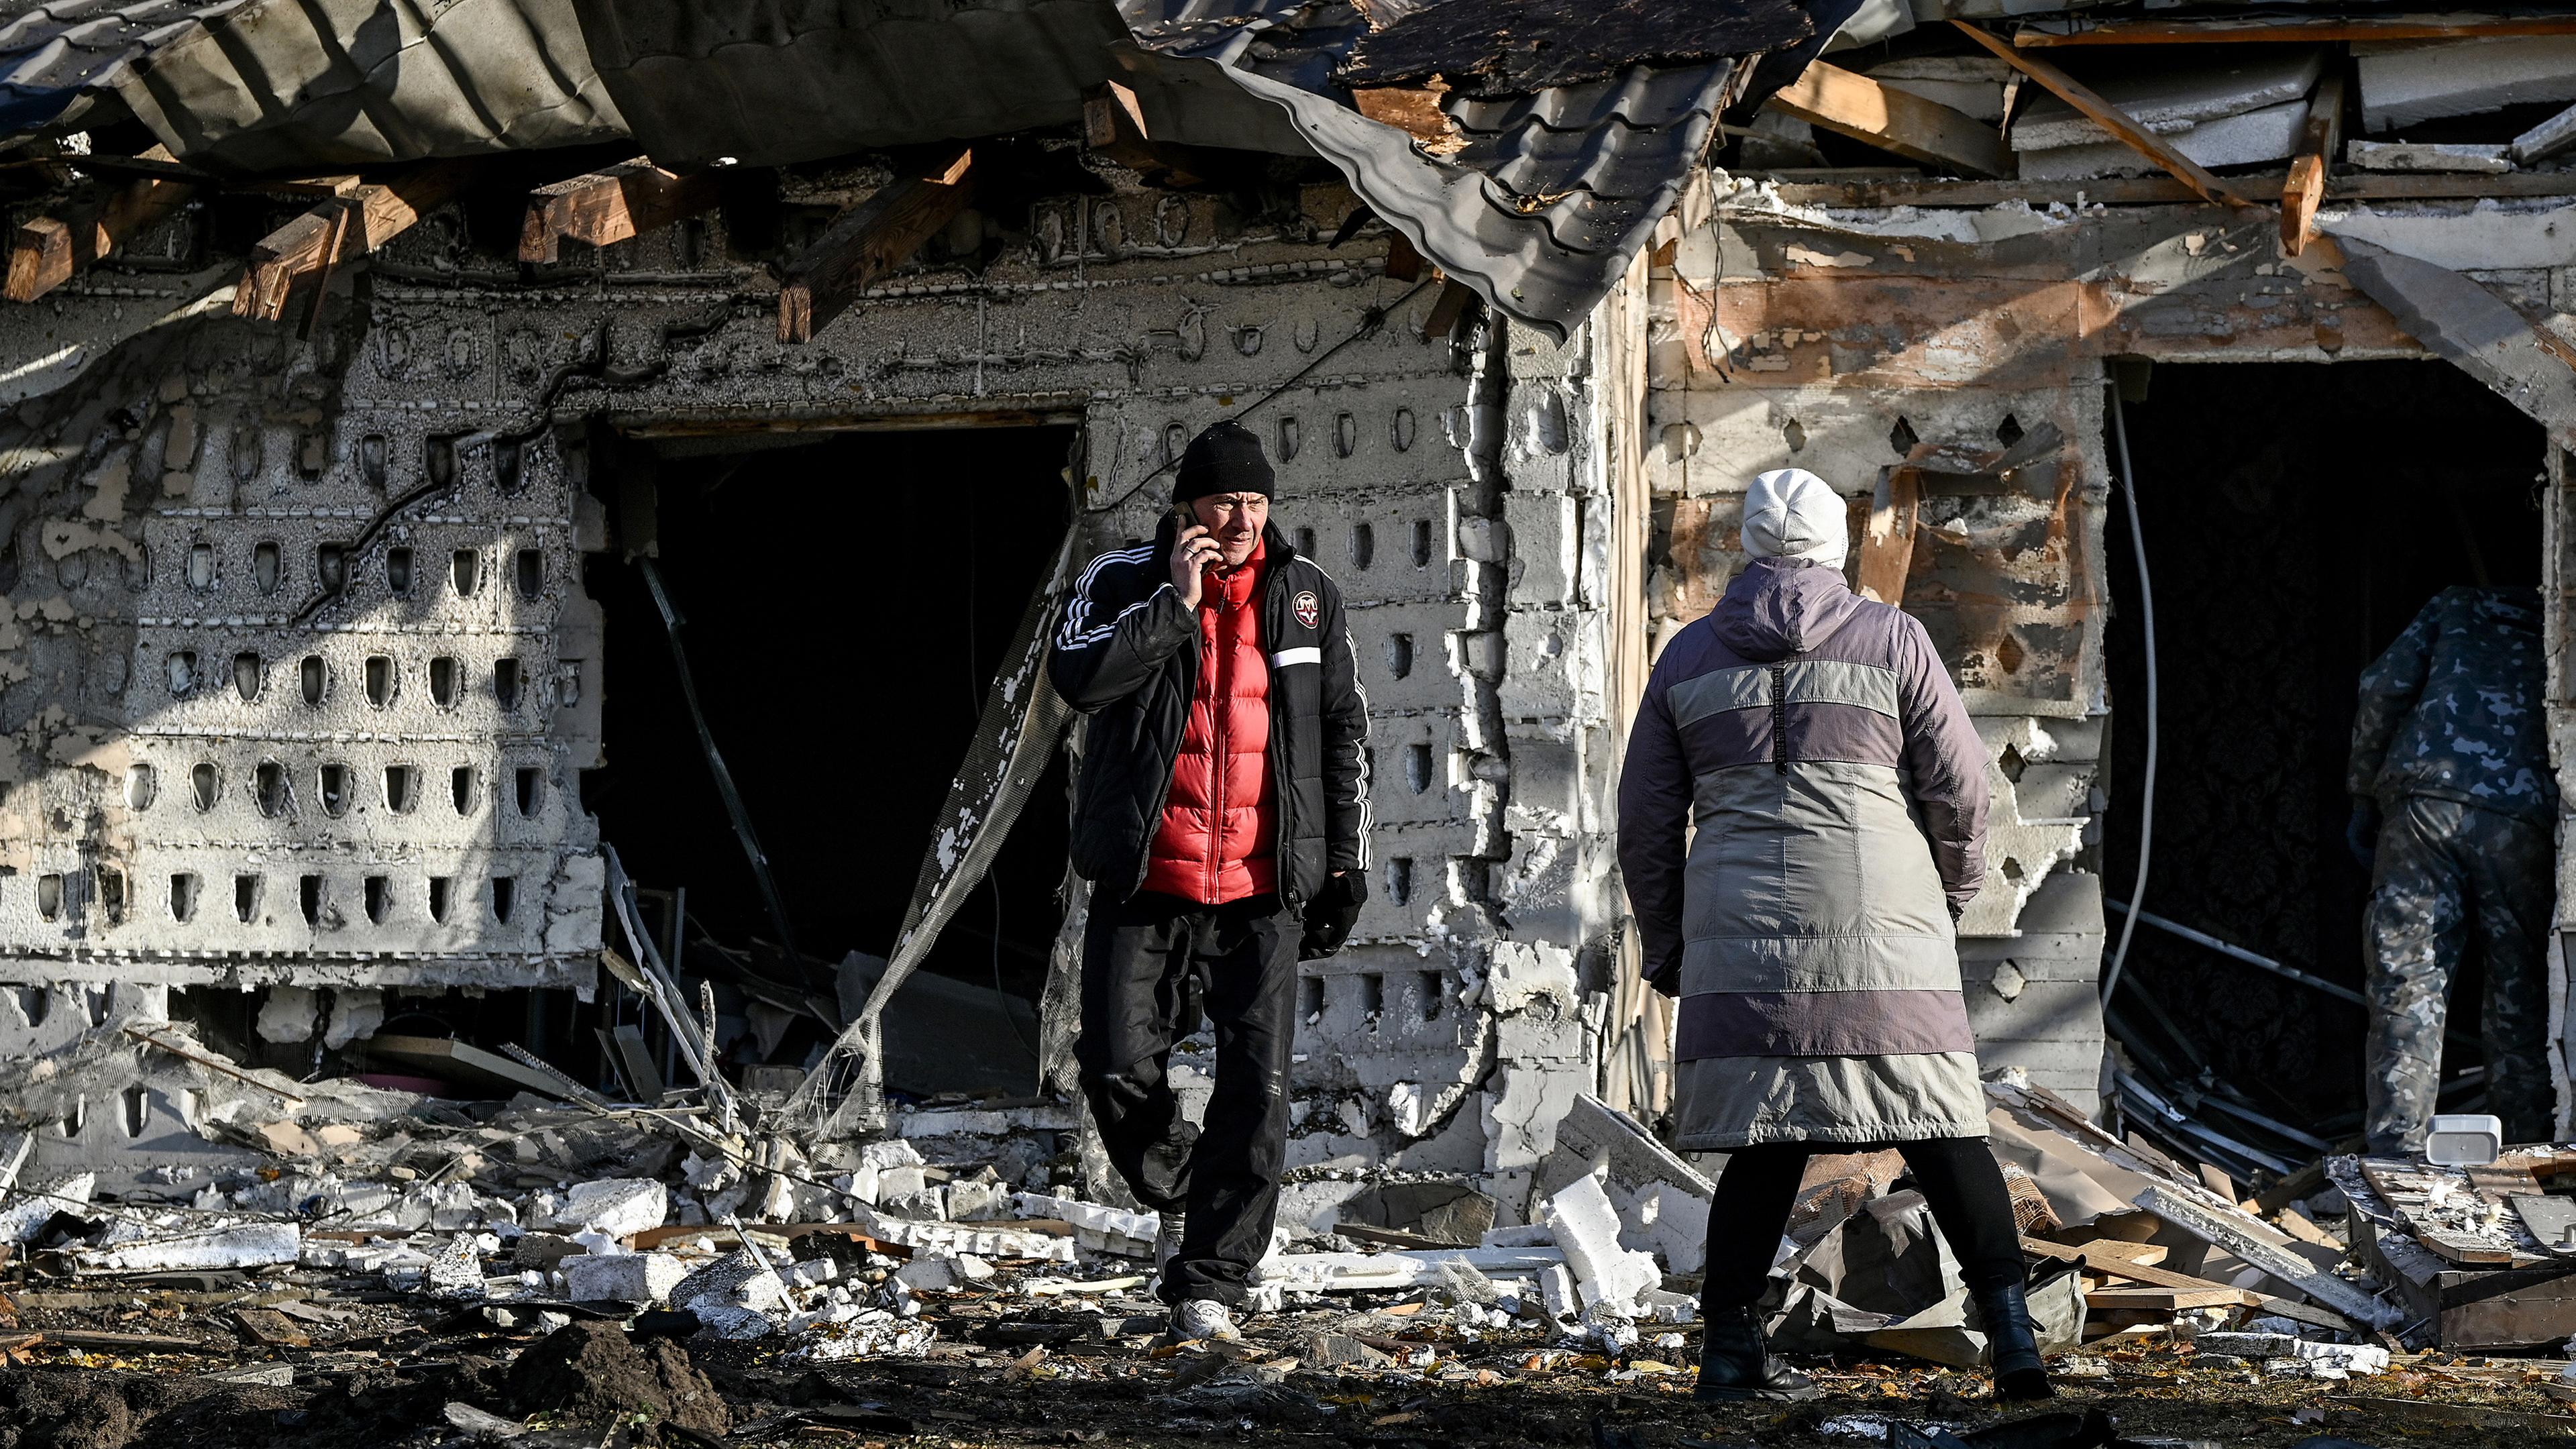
[(1809, 924)]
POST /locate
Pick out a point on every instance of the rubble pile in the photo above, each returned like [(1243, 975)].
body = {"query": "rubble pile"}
[(630, 1260)]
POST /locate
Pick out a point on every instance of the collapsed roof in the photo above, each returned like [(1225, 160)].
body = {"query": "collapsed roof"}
[(1546, 139)]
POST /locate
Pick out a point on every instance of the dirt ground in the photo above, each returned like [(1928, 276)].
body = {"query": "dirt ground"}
[(390, 1371)]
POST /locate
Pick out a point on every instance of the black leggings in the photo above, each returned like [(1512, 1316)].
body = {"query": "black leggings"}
[(1959, 1180)]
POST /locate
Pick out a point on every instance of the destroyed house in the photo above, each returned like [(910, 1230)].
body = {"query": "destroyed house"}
[(532, 526)]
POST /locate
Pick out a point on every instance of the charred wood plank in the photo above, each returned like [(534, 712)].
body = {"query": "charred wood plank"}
[(618, 204), (869, 240), (347, 226), (45, 251)]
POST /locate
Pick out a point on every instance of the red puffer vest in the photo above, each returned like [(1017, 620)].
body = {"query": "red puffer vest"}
[(1219, 825)]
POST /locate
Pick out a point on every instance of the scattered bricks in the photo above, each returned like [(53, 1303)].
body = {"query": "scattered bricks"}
[(614, 1207), (621, 1277), (1587, 1229), (954, 1238), (1100, 1229), (270, 1328)]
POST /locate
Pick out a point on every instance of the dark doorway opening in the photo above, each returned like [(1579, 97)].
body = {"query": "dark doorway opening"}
[(2296, 517), (846, 602)]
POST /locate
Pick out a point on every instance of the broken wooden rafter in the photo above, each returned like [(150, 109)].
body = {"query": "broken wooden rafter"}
[(618, 204), (1113, 123), (2305, 187), (869, 240), (1848, 103), (45, 251), (2108, 116), (1448, 310), (352, 224), (1887, 548)]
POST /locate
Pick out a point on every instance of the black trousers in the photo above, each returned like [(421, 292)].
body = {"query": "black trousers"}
[(1151, 966), (1958, 1178)]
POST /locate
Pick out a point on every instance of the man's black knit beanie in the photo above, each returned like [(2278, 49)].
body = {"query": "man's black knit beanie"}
[(1224, 459)]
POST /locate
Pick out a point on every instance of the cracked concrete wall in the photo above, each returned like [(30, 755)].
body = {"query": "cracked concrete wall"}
[(1454, 490)]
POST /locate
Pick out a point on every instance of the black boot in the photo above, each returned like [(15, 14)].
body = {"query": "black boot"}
[(1734, 1364), (2012, 1343)]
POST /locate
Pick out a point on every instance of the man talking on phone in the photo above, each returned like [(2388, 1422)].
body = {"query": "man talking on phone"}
[(1222, 818)]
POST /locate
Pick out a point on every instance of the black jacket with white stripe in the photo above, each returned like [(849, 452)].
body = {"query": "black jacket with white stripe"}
[(1127, 654)]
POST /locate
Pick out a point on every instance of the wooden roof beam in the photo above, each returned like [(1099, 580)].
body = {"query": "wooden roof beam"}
[(45, 251), (2108, 116), (614, 205), (2305, 188), (353, 224), (1851, 104), (871, 239)]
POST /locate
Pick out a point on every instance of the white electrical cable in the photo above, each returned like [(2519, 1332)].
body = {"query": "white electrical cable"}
[(2147, 619)]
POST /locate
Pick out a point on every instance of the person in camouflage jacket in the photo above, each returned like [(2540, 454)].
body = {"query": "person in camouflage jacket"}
[(2453, 808)]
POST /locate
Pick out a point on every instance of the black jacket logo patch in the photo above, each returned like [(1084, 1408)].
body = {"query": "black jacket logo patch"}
[(1308, 611)]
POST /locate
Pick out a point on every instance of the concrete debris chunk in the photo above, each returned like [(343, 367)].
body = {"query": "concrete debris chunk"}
[(1412, 1268), (2175, 99), (622, 1277), (456, 1270), (1972, 85), (24, 1214), (2268, 134), (740, 1277), (2546, 139), (1339, 1351), (2428, 156), (207, 1245), (960, 1238), (1100, 1229), (1587, 1228), (617, 1207), (886, 1337), (2402, 84)]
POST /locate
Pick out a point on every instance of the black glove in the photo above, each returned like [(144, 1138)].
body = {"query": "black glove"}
[(2361, 837), (1331, 914)]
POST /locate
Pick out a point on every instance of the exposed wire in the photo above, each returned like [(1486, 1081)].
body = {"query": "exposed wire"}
[(2147, 623)]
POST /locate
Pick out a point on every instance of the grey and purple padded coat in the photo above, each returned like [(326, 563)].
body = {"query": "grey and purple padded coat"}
[(1839, 794)]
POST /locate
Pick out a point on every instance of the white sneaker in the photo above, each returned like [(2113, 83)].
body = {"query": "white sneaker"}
[(1202, 1318), (1167, 1241)]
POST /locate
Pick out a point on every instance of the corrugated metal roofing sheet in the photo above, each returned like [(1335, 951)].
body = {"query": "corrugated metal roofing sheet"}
[(1540, 210), (57, 58), (285, 85)]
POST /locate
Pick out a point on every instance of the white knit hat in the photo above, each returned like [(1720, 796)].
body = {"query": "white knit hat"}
[(1792, 513)]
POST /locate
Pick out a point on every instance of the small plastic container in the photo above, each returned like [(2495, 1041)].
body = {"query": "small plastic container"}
[(2464, 1139)]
